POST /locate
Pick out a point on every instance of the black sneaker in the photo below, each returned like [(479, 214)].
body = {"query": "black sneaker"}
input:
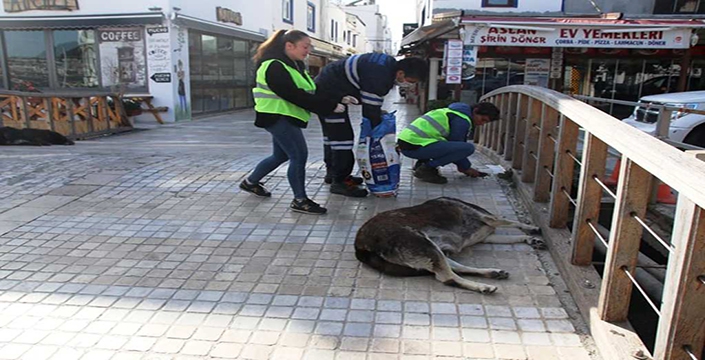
[(255, 189), (307, 206), (348, 190), (354, 180), (419, 163), (429, 174)]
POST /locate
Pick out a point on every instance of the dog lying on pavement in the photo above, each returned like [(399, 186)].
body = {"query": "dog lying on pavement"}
[(37, 137), (415, 240)]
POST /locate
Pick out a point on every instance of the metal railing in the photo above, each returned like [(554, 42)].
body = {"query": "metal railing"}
[(538, 134)]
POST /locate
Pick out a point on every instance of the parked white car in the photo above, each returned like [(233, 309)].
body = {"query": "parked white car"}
[(685, 127)]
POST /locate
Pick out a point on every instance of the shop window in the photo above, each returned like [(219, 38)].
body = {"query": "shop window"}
[(679, 7), (242, 97), (226, 57), (197, 100), (210, 58), (311, 17), (195, 58), (211, 100), (2, 72), (26, 59), (241, 48), (696, 79), (227, 73), (76, 58), (690, 7), (499, 3), (123, 59), (288, 11)]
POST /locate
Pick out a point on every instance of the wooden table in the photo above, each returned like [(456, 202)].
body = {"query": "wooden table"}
[(147, 100)]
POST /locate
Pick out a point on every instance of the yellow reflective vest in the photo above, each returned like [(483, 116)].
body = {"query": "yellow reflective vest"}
[(432, 127), (266, 101)]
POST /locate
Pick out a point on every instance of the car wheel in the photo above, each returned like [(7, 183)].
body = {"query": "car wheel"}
[(696, 137)]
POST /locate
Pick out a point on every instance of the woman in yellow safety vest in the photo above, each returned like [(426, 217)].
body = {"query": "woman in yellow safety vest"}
[(284, 99)]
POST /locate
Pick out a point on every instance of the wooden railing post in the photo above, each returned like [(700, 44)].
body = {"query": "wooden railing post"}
[(106, 110), (502, 123), (563, 170), (25, 112), (589, 199), (682, 321), (494, 129), (485, 130), (89, 113), (633, 192), (70, 115), (509, 140), (520, 131), (547, 154), (50, 113), (531, 141)]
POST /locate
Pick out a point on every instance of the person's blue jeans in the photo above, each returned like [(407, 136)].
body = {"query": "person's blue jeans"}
[(443, 153), (288, 144)]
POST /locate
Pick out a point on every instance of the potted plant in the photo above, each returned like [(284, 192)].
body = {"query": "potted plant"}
[(132, 108)]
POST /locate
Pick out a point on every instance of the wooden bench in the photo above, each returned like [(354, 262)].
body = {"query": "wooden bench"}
[(147, 100)]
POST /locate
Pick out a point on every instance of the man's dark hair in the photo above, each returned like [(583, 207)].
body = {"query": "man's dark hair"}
[(488, 109), (413, 67)]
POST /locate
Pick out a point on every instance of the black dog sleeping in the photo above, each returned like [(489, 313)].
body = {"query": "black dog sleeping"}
[(36, 137)]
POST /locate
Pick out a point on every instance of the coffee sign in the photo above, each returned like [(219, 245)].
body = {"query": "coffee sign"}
[(228, 16), (120, 35)]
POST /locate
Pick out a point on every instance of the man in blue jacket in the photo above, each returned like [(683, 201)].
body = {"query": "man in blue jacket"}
[(364, 79), (438, 138)]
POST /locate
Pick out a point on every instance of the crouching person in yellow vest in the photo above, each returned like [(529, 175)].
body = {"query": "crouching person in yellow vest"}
[(438, 138), (284, 99)]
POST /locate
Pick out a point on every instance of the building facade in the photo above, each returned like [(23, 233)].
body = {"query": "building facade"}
[(621, 56), (379, 35), (641, 7), (355, 35), (192, 57)]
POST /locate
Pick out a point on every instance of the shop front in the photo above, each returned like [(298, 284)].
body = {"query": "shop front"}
[(221, 70), (322, 54), (180, 64), (608, 58), (75, 52)]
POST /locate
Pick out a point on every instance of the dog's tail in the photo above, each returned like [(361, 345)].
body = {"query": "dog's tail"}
[(378, 263)]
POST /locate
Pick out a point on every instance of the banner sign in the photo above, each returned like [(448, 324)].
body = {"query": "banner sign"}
[(454, 62), (585, 37), (536, 72)]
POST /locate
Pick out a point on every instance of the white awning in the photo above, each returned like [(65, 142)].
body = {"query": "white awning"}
[(79, 21)]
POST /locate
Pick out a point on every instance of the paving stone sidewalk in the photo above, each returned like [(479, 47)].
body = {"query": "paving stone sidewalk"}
[(141, 246)]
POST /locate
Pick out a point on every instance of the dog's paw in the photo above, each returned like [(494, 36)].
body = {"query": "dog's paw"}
[(535, 231), (537, 243), (487, 289), (499, 274)]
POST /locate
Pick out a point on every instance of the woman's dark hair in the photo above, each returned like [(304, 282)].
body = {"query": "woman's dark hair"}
[(274, 46), (413, 67), (488, 109)]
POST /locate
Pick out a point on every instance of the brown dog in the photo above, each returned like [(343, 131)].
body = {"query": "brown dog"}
[(415, 240)]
